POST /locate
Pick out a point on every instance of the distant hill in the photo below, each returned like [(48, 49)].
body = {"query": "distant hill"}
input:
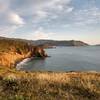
[(59, 43), (97, 45), (50, 43)]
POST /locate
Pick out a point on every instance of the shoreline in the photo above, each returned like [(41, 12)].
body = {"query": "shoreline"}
[(24, 60)]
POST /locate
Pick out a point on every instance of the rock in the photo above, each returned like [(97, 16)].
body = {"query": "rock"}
[(13, 51), (39, 52), (11, 58)]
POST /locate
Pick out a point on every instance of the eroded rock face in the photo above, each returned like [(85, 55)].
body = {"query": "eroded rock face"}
[(38, 52), (10, 58), (14, 50)]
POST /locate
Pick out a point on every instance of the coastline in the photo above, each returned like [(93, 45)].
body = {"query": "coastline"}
[(12, 58), (22, 61)]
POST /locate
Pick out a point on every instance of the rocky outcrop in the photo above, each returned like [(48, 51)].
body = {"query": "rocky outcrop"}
[(13, 51), (10, 58), (38, 52)]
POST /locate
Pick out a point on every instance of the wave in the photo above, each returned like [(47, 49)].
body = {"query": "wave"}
[(23, 62)]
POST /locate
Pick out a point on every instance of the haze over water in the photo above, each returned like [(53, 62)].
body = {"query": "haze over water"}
[(66, 59)]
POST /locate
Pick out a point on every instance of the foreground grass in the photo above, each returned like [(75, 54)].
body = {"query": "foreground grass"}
[(20, 85)]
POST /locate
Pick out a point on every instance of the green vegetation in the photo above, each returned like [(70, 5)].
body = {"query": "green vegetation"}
[(20, 85)]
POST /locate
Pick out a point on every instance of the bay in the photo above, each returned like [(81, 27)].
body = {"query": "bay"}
[(66, 59)]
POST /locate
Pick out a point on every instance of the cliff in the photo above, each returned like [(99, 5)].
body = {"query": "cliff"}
[(12, 51)]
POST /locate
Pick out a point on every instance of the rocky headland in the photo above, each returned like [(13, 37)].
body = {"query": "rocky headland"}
[(13, 51), (24, 85)]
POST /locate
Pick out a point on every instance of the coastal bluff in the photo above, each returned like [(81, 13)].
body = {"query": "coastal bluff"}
[(13, 51)]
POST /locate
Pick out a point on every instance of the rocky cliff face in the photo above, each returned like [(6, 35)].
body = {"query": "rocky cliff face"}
[(10, 58), (12, 52)]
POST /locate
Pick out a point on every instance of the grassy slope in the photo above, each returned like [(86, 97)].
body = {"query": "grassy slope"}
[(7, 45), (20, 85), (13, 51)]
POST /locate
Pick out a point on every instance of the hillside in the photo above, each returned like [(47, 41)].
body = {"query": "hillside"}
[(51, 42), (59, 43), (14, 50), (24, 85)]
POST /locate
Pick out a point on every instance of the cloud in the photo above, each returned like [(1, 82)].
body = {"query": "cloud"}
[(15, 19), (70, 9), (41, 34), (21, 12), (87, 17), (36, 34), (41, 9), (10, 21), (18, 17)]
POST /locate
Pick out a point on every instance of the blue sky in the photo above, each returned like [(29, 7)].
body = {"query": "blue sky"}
[(51, 19)]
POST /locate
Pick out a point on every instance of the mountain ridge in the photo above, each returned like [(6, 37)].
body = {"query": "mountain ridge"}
[(60, 42), (46, 42)]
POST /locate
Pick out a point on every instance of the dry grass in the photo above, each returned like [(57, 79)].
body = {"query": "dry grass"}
[(20, 85)]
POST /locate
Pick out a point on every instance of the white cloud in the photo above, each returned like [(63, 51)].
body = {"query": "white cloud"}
[(55, 3), (10, 20), (87, 16), (38, 9), (51, 9), (41, 34), (69, 9), (15, 19), (10, 23)]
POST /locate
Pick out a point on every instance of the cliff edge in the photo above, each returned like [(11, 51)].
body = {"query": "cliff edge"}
[(13, 51)]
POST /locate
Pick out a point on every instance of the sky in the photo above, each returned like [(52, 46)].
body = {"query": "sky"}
[(51, 19)]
